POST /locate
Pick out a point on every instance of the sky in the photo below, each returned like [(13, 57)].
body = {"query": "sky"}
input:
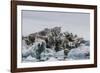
[(35, 21)]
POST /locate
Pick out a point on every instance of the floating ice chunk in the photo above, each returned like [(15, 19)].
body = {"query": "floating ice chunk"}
[(52, 59), (29, 59), (60, 55), (79, 53), (45, 55), (25, 52)]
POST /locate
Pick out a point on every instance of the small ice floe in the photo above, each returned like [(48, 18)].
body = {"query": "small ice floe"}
[(45, 55), (60, 55), (29, 59), (30, 51), (81, 52), (52, 59), (25, 52)]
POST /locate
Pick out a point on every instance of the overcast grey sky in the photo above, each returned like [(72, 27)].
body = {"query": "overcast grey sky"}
[(77, 23)]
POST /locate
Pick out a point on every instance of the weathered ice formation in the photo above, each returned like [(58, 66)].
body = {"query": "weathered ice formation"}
[(53, 45)]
